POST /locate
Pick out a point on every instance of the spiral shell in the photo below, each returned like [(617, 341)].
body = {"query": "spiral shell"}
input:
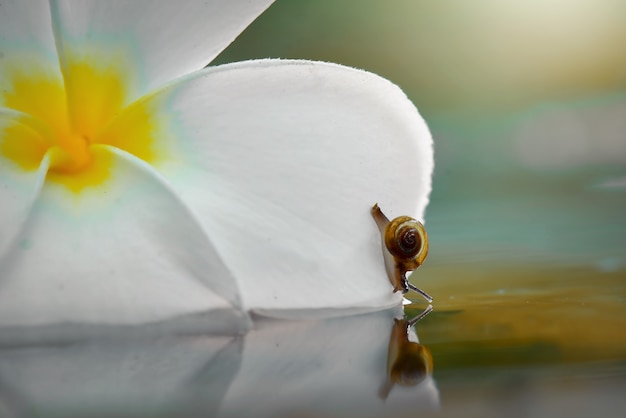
[(404, 237)]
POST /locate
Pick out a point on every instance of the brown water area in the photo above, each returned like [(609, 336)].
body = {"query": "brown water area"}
[(527, 341), (535, 317)]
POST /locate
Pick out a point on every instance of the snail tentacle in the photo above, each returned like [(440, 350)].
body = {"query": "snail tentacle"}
[(381, 220)]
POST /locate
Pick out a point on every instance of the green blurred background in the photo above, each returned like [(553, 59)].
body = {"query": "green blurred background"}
[(526, 101)]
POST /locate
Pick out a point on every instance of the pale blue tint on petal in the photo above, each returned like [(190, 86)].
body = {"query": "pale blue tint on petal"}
[(25, 25), (125, 252), (19, 189)]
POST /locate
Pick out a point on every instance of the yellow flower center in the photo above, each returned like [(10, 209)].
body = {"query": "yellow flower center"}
[(66, 117)]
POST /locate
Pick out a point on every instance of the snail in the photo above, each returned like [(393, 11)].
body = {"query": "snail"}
[(408, 362), (405, 246)]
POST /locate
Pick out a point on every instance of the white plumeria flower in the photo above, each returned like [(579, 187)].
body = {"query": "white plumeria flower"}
[(137, 187)]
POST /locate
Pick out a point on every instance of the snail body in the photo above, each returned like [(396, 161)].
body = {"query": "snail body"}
[(405, 247)]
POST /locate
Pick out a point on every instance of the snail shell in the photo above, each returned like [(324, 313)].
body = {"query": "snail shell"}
[(405, 246), (406, 239)]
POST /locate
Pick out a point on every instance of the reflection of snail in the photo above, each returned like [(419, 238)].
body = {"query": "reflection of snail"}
[(405, 246), (408, 362)]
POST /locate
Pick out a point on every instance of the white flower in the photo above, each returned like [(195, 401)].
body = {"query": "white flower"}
[(137, 187)]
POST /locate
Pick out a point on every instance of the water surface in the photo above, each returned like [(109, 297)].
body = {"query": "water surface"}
[(529, 320)]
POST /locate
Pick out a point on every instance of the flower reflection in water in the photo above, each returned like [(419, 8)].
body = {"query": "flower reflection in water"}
[(318, 367)]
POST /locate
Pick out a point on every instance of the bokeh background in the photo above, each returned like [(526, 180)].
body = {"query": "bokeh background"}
[(526, 101)]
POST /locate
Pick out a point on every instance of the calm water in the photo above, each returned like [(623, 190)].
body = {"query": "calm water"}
[(529, 320)]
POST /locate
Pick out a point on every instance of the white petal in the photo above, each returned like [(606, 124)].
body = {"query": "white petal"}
[(26, 24), (154, 41), (285, 160), (26, 41), (125, 251), (18, 187)]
